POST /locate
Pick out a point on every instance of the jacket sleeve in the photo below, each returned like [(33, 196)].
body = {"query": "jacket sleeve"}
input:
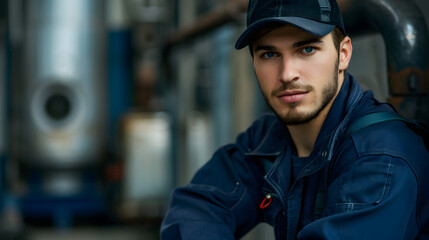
[(375, 199), (221, 201)]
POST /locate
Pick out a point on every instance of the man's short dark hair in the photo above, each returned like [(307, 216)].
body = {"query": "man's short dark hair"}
[(337, 36)]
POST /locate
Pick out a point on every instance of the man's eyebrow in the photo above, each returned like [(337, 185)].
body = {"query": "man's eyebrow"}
[(307, 42), (295, 45), (264, 48)]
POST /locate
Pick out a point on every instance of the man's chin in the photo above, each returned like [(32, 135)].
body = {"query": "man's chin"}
[(296, 121), (297, 118)]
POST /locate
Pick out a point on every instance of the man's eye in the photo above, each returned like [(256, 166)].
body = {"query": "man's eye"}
[(268, 55), (308, 50)]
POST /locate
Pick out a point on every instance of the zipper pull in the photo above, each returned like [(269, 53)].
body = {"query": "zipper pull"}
[(266, 202)]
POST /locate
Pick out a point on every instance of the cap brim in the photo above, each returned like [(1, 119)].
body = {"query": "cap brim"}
[(310, 26)]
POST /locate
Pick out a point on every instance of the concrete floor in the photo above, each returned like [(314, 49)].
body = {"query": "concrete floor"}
[(92, 233)]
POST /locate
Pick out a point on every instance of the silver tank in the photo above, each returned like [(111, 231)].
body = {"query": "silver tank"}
[(63, 83)]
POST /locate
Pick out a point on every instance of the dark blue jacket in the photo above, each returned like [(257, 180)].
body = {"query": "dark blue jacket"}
[(377, 184)]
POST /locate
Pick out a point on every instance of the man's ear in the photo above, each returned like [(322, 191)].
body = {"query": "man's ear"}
[(345, 53)]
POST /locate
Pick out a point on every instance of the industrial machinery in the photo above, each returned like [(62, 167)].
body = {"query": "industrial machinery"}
[(58, 94)]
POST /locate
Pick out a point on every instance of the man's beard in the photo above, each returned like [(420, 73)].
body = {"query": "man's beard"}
[(295, 117)]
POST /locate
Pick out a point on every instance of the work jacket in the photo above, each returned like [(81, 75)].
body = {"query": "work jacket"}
[(376, 181)]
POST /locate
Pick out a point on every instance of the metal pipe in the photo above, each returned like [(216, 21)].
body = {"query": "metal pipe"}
[(212, 20), (404, 30)]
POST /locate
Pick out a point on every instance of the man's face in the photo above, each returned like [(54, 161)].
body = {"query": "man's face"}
[(297, 73)]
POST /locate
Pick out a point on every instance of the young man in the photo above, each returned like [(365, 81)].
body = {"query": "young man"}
[(299, 170)]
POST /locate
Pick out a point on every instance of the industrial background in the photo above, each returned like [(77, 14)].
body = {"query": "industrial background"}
[(107, 105)]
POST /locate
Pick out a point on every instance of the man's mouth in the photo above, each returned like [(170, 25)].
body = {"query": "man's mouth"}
[(292, 96)]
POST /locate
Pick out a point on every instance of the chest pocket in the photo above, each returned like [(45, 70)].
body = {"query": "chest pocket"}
[(363, 185)]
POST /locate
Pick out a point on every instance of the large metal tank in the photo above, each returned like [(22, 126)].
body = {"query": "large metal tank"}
[(63, 83)]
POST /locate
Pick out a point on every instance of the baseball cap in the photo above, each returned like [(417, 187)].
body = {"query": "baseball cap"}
[(318, 17)]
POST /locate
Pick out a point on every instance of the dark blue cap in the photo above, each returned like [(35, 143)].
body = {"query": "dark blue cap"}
[(318, 17)]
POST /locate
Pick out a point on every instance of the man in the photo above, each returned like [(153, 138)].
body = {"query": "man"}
[(298, 170)]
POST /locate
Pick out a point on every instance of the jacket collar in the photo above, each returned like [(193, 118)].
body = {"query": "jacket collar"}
[(338, 119), (273, 141)]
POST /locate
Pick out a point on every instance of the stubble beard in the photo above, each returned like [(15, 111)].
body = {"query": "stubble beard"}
[(296, 117)]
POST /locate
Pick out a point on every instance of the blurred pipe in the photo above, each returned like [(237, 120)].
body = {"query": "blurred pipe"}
[(15, 20), (210, 21), (222, 110), (3, 107), (119, 69), (404, 30)]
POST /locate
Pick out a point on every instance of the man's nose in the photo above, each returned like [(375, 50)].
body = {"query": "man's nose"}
[(288, 70)]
